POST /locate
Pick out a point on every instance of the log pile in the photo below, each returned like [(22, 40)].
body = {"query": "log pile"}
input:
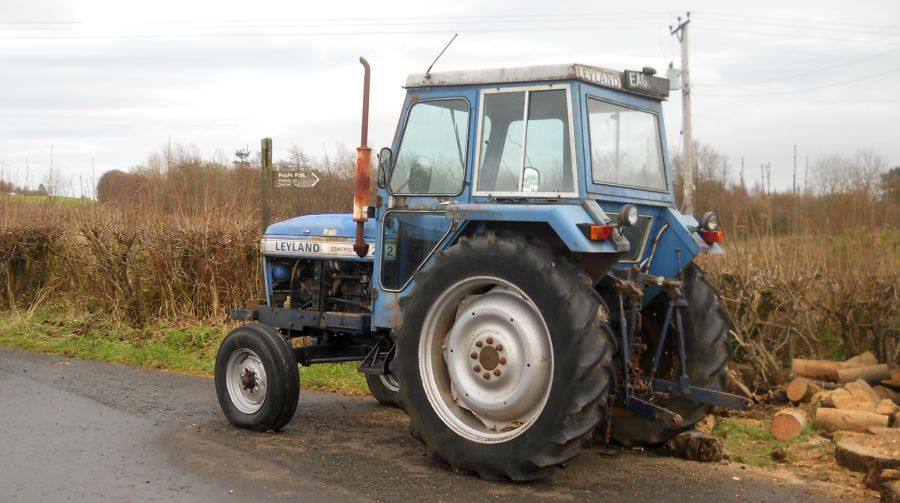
[(852, 395), (857, 403)]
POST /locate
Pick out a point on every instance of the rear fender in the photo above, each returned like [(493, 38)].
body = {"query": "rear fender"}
[(562, 218)]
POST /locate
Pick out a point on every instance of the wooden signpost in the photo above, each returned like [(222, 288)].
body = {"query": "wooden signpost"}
[(281, 178)]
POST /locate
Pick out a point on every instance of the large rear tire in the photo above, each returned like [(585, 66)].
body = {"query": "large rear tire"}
[(708, 353), (504, 356), (257, 380)]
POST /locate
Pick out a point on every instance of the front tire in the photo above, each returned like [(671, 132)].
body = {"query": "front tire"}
[(384, 388), (505, 358), (257, 380)]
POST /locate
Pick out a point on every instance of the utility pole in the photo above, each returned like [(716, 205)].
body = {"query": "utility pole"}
[(743, 187), (805, 174), (681, 31), (794, 190)]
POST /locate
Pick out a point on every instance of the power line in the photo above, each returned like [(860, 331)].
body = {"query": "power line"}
[(380, 20), (320, 33), (816, 22), (805, 89), (795, 35), (804, 74)]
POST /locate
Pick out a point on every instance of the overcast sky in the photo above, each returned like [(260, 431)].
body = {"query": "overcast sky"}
[(113, 81)]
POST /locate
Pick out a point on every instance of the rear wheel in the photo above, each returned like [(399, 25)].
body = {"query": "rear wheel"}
[(505, 358), (384, 388), (708, 353), (257, 380)]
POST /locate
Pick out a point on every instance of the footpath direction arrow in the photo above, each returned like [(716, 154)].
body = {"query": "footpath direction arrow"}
[(302, 178)]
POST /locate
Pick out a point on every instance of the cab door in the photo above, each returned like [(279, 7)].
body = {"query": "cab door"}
[(431, 166)]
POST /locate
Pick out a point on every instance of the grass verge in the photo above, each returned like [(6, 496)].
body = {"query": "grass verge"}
[(188, 349), (749, 441)]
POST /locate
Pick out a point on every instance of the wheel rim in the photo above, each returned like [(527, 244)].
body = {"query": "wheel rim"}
[(486, 359), (245, 378), (389, 382)]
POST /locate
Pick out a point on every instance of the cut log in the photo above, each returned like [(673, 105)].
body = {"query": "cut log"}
[(801, 389), (887, 407), (821, 399), (697, 446), (831, 420), (861, 389), (788, 424), (885, 392), (861, 360), (845, 400), (876, 478), (890, 492), (872, 374), (864, 453), (815, 369)]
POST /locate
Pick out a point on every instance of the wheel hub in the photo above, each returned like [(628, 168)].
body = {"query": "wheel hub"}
[(498, 361), (245, 379), (248, 379)]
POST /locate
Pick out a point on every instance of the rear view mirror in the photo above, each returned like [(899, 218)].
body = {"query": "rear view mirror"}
[(531, 180), (384, 166)]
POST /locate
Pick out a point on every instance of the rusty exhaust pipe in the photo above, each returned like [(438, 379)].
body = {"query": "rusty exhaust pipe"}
[(363, 166)]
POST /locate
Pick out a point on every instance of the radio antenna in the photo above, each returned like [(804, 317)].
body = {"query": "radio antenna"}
[(428, 71)]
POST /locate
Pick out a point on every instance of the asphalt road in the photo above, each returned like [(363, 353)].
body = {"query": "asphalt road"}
[(75, 430)]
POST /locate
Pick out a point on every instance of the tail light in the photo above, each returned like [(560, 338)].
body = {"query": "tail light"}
[(597, 232), (711, 237)]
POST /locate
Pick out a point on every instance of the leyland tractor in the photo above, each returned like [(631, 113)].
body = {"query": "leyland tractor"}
[(522, 285)]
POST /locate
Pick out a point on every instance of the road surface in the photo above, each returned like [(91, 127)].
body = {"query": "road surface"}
[(75, 430)]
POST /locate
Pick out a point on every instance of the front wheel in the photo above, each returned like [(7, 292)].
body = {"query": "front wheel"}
[(257, 380), (384, 388), (504, 355)]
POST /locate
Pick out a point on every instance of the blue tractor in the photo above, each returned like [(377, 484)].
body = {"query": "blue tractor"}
[(522, 285)]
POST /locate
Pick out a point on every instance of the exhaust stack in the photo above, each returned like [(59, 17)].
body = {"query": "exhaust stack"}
[(363, 166)]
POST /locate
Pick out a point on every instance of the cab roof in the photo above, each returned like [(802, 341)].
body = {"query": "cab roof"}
[(638, 82)]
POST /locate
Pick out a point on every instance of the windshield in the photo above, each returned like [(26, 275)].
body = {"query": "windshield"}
[(432, 156), (625, 146)]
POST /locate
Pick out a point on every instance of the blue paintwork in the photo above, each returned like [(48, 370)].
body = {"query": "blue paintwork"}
[(563, 218), (342, 226)]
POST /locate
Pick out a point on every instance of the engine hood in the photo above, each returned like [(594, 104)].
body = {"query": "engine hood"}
[(317, 236)]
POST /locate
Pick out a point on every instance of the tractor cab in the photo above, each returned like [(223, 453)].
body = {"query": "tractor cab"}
[(564, 147)]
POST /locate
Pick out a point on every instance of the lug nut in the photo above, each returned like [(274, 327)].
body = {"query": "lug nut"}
[(479, 344), (490, 340), (497, 372), (474, 355), (502, 360), (477, 368), (486, 375), (499, 347)]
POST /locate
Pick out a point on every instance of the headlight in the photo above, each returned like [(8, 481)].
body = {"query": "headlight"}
[(628, 215), (710, 221)]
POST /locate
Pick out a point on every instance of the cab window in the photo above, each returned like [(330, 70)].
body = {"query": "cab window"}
[(625, 146), (432, 154), (525, 143)]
